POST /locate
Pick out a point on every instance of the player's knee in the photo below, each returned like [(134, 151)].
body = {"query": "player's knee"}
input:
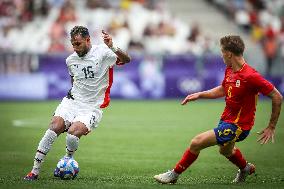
[(195, 144), (76, 131), (57, 125), (72, 130), (226, 153)]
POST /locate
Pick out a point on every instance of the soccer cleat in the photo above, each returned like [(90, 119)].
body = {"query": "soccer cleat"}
[(169, 177), (242, 174), (31, 176)]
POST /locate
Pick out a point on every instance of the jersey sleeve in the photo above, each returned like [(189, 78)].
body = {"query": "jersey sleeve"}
[(260, 84), (69, 67), (109, 56)]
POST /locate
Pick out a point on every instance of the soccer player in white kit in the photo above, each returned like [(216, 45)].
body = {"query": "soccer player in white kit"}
[(91, 71)]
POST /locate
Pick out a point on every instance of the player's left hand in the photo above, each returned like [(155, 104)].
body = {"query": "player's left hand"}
[(266, 135), (107, 39)]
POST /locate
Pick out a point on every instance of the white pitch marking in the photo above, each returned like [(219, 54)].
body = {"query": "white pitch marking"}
[(26, 123)]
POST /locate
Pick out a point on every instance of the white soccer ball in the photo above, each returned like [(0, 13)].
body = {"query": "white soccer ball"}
[(66, 168)]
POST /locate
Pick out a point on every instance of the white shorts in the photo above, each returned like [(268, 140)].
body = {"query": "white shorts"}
[(72, 111)]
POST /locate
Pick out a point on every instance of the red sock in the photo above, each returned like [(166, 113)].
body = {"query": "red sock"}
[(187, 159), (238, 159)]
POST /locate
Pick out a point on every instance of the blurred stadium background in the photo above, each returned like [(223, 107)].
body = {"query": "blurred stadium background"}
[(174, 44)]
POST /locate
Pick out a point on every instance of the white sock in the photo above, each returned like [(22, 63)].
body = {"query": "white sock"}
[(72, 143), (42, 149)]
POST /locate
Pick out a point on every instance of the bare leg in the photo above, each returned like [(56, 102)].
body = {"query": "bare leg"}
[(202, 141), (198, 143), (227, 150), (233, 154)]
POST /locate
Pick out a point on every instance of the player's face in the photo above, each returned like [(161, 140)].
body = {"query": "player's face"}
[(80, 44), (226, 55)]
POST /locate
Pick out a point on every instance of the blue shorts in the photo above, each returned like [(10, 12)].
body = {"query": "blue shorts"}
[(229, 132)]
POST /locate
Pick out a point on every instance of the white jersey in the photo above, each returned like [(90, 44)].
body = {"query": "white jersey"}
[(92, 75)]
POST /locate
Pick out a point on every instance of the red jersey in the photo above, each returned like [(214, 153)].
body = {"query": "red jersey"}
[(242, 88)]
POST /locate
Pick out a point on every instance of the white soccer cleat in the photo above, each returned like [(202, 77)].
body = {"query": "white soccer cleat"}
[(169, 177), (242, 174)]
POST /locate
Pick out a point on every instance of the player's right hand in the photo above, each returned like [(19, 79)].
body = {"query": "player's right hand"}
[(107, 39), (190, 97), (266, 135)]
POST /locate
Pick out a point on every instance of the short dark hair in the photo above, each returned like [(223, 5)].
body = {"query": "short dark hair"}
[(79, 30), (233, 43)]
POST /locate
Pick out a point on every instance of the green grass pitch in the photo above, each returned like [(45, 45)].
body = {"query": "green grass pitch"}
[(134, 141)]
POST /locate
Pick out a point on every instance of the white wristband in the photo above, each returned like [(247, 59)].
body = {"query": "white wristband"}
[(114, 48)]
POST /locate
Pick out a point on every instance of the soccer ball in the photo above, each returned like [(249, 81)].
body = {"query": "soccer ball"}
[(66, 168)]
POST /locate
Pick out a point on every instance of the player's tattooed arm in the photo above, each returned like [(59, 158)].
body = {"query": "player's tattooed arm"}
[(122, 56)]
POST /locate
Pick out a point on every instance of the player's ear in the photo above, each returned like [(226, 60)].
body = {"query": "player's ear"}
[(230, 54), (88, 39)]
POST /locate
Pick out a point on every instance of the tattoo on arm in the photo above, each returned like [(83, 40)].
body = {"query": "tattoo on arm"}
[(123, 56)]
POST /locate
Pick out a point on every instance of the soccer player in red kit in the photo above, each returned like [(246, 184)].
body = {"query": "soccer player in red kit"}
[(240, 87)]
